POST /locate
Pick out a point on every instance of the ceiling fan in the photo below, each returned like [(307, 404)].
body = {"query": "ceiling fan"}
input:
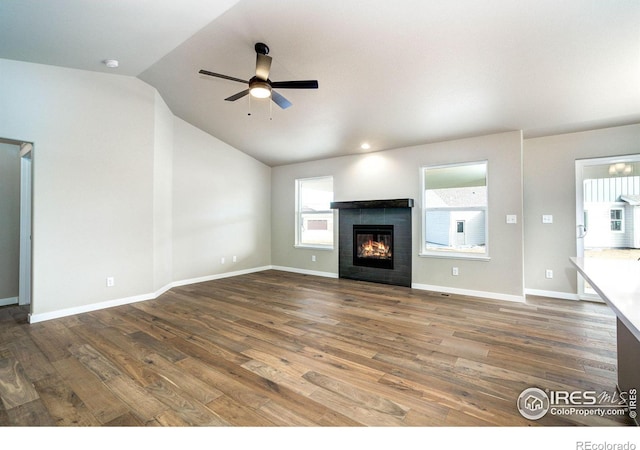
[(260, 86)]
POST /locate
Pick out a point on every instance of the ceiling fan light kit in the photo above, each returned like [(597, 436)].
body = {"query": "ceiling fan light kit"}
[(260, 86), (260, 89)]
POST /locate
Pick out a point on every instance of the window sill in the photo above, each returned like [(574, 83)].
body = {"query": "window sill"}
[(470, 257), (314, 247)]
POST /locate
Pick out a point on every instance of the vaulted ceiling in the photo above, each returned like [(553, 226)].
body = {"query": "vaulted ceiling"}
[(392, 74)]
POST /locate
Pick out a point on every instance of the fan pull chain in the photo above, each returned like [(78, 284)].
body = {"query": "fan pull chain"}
[(270, 109), (249, 113)]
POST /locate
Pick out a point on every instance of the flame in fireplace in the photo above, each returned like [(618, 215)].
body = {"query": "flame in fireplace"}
[(374, 249)]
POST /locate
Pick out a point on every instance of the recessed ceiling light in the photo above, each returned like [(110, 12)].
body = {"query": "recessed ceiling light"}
[(111, 63), (365, 146)]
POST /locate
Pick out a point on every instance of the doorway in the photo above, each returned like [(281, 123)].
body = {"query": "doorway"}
[(26, 198), (461, 238), (16, 198), (607, 212)]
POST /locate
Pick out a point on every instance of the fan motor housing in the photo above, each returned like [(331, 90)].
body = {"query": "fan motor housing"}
[(261, 48)]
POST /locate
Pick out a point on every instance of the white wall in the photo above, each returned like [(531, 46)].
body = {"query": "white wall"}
[(9, 222), (545, 178), (221, 207), (396, 174), (93, 180), (110, 161), (549, 188), (162, 195)]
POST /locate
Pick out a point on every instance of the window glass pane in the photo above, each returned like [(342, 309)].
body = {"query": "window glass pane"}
[(314, 216), (616, 216), (455, 209)]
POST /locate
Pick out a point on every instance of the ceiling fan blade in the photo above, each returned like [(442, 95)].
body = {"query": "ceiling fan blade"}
[(235, 97), (302, 84), (263, 66), (218, 75), (280, 100)]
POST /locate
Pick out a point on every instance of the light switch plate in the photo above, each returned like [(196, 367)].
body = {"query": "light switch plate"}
[(512, 218), (547, 218)]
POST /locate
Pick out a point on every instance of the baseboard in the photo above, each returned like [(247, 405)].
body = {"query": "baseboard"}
[(469, 292), (34, 318), (217, 276), (305, 271), (425, 287), (8, 301), (551, 294)]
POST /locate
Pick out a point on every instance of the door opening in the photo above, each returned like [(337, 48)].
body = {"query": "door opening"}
[(24, 293), (19, 196), (461, 238), (607, 211)]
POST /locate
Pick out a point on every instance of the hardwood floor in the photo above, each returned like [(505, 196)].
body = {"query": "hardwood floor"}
[(282, 349)]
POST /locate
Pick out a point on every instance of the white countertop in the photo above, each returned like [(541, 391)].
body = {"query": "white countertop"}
[(617, 281)]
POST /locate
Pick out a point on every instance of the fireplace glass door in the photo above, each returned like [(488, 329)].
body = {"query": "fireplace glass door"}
[(373, 246)]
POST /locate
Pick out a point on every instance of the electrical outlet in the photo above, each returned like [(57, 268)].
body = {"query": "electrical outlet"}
[(111, 282), (313, 258), (235, 258), (548, 273), (454, 271), (222, 260), (547, 218)]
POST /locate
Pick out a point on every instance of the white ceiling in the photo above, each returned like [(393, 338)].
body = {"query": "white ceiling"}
[(393, 74)]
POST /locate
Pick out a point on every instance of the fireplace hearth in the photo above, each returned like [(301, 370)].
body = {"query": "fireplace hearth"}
[(374, 240)]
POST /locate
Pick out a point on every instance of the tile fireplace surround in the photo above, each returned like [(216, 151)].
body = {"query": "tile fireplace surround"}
[(396, 212)]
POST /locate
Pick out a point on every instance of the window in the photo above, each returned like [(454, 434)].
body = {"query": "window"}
[(617, 219), (455, 210), (314, 216)]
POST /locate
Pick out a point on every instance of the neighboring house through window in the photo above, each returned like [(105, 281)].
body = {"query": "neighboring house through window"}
[(455, 210), (314, 216)]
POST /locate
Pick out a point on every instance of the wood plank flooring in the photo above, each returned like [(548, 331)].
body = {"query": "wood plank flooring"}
[(275, 349)]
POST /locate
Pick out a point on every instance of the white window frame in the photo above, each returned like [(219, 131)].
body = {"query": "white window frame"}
[(424, 252), (298, 217), (621, 220)]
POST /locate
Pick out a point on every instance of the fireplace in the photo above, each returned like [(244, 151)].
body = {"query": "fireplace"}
[(373, 246), (374, 240)]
